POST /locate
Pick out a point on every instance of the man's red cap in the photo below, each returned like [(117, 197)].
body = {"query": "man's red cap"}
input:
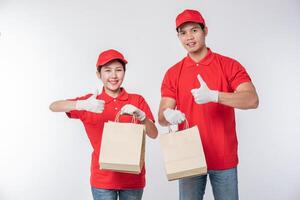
[(189, 16)]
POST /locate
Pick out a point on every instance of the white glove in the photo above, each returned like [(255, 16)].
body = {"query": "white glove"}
[(174, 117), (91, 104), (132, 110), (203, 94)]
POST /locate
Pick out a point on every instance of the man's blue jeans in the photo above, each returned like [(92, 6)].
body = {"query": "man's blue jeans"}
[(224, 184), (103, 194)]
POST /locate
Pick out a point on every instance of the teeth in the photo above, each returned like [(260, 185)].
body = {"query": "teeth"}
[(191, 44)]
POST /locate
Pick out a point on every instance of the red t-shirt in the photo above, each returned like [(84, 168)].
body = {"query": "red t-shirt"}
[(94, 123), (216, 122)]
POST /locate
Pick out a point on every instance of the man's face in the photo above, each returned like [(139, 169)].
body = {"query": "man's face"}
[(192, 37), (112, 75)]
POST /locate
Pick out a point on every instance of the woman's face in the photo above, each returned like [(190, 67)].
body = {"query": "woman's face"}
[(112, 75)]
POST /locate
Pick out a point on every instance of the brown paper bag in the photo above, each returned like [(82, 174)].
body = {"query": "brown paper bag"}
[(122, 147), (183, 154)]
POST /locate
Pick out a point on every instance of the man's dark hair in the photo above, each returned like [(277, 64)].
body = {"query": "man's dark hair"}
[(201, 25)]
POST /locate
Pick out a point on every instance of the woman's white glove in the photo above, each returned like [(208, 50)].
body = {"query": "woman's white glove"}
[(174, 117), (132, 110), (203, 94), (91, 104)]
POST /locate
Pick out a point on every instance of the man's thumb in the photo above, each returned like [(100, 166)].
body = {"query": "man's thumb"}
[(201, 81)]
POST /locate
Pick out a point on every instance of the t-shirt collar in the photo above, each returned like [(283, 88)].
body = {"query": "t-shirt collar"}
[(204, 61), (123, 96)]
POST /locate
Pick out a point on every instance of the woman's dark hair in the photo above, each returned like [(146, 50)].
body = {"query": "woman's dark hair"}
[(123, 64)]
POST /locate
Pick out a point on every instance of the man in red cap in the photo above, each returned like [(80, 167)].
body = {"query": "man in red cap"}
[(96, 109), (204, 88)]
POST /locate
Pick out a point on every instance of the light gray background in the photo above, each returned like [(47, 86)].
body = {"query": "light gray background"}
[(48, 51)]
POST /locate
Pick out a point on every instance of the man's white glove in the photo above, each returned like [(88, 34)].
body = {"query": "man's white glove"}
[(174, 117), (132, 110), (203, 94), (91, 104)]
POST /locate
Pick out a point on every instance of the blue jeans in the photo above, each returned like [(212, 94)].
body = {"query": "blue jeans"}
[(103, 194), (224, 184)]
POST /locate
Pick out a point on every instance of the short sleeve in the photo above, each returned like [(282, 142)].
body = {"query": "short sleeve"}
[(168, 86), (143, 105), (237, 74)]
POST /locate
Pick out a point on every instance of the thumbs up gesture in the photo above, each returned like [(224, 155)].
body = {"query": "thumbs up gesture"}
[(91, 104), (203, 94)]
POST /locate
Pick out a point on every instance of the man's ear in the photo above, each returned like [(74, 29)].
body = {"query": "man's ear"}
[(205, 31)]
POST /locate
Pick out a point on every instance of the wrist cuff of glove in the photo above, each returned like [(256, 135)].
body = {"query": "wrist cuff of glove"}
[(215, 96), (78, 105), (143, 119)]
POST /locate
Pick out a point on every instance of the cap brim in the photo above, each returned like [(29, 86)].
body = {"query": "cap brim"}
[(111, 59), (189, 20)]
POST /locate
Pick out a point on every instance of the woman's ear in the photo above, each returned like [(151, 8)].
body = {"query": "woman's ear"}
[(98, 74)]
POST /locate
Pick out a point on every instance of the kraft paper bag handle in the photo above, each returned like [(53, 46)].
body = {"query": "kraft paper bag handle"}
[(118, 117), (185, 127)]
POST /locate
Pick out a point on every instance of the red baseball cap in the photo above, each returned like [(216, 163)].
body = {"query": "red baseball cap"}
[(109, 55), (189, 16)]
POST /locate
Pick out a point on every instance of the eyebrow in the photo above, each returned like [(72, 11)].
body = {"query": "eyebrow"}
[(180, 30), (107, 67), (196, 27)]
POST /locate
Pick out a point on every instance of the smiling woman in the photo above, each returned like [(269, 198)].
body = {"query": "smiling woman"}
[(111, 70), (112, 75), (96, 109)]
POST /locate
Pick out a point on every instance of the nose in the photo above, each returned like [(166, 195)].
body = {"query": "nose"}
[(114, 74), (189, 35)]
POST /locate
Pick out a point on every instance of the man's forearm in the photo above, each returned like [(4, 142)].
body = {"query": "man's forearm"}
[(161, 119), (241, 99)]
